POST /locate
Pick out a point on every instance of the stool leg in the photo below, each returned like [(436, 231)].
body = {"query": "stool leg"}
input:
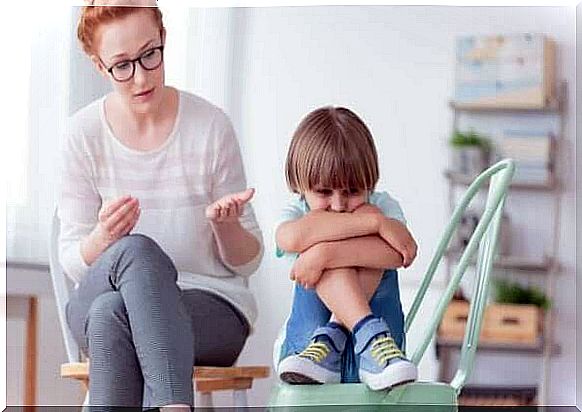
[(240, 398), (204, 400)]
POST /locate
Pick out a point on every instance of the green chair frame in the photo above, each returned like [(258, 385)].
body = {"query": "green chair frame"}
[(484, 240), (485, 237)]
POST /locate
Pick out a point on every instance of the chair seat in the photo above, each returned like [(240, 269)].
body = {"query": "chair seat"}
[(439, 395), (207, 378)]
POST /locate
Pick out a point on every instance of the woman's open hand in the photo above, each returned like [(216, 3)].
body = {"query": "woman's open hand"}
[(230, 207)]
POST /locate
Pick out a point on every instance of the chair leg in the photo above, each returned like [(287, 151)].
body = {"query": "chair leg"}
[(240, 398), (85, 407), (85, 386), (204, 400)]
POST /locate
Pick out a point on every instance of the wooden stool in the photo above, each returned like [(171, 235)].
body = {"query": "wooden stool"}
[(207, 379)]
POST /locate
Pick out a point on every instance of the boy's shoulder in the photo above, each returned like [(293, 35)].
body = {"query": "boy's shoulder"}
[(378, 197), (387, 204), (294, 208)]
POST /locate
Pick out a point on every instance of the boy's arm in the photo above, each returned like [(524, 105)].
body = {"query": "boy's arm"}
[(320, 226), (394, 232), (365, 251)]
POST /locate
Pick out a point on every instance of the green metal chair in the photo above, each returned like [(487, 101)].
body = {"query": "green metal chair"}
[(439, 395)]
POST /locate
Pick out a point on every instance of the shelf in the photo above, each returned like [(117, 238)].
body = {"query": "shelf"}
[(488, 118), (514, 262), (553, 107), (461, 179), (26, 264), (489, 395), (536, 348)]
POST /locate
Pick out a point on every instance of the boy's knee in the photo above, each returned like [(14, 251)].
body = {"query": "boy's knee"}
[(333, 275), (370, 272), (340, 271)]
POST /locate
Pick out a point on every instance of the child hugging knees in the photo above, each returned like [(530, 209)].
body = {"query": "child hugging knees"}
[(346, 239)]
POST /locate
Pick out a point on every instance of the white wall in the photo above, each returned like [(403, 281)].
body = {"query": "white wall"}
[(28, 221), (579, 204), (394, 66)]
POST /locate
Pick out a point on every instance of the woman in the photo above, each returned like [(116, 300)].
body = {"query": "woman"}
[(157, 231)]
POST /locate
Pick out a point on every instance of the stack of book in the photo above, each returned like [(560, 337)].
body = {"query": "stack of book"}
[(532, 152)]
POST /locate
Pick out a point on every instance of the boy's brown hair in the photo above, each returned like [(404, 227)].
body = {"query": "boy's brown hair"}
[(332, 148)]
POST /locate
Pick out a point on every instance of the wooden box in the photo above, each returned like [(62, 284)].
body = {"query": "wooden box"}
[(516, 70), (502, 323)]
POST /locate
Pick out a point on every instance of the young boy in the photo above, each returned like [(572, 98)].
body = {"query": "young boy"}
[(344, 236)]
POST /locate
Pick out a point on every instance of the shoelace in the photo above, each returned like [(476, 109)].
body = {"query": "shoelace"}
[(316, 351), (384, 349)]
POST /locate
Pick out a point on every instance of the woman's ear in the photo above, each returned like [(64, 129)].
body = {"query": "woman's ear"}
[(98, 65), (163, 35)]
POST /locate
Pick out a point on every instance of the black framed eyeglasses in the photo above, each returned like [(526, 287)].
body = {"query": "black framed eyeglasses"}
[(124, 70)]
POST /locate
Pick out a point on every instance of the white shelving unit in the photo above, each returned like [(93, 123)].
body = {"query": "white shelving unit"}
[(544, 267)]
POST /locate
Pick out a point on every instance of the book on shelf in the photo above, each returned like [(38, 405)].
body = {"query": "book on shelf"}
[(532, 152), (535, 149), (524, 174)]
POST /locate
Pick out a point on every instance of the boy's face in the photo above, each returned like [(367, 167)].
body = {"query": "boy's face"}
[(335, 200)]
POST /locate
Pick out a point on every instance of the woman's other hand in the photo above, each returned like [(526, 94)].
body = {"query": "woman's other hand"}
[(115, 219), (230, 207)]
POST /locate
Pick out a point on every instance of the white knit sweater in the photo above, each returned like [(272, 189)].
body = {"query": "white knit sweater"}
[(199, 163)]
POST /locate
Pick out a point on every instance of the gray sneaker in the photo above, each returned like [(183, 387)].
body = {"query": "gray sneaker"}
[(320, 362), (382, 363)]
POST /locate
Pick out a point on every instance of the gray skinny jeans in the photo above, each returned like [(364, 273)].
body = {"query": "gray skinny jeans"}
[(142, 333)]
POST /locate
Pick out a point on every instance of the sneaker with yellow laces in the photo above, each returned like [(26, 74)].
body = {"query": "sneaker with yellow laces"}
[(382, 363), (320, 362)]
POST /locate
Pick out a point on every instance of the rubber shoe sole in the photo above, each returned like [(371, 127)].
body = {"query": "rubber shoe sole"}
[(395, 375), (301, 371)]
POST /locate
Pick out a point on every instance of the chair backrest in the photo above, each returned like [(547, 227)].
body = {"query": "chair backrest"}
[(484, 238), (61, 289)]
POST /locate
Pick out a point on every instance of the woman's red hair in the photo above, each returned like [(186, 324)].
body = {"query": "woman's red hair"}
[(92, 17)]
